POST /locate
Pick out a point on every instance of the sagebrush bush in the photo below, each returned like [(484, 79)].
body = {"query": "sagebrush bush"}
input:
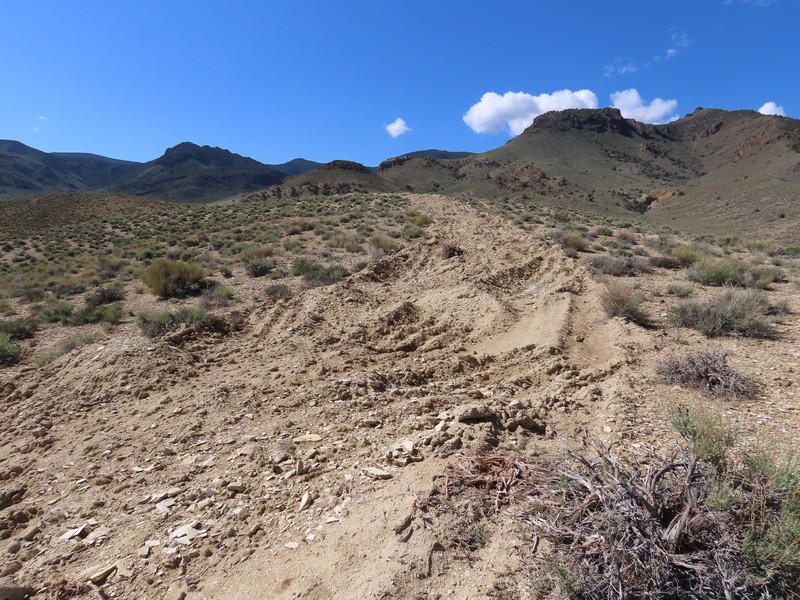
[(104, 295), (154, 324), (730, 271), (19, 329), (173, 278), (686, 256), (278, 291), (383, 242), (259, 267), (621, 300), (621, 265), (9, 350), (734, 311), (573, 240), (706, 370)]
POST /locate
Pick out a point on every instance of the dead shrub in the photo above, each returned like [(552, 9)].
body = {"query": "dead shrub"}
[(706, 370), (621, 300)]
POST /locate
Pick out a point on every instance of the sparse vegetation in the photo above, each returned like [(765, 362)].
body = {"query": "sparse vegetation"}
[(706, 370), (730, 271), (172, 278), (154, 324), (65, 346), (278, 291), (9, 349), (621, 300), (734, 311)]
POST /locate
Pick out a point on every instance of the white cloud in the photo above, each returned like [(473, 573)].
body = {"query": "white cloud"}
[(620, 67), (632, 106), (37, 129), (515, 111), (770, 108), (398, 127), (42, 118)]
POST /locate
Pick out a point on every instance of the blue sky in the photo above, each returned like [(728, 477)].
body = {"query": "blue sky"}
[(364, 81)]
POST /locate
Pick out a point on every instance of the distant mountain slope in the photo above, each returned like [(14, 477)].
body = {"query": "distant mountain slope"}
[(713, 171), (25, 171), (185, 173), (336, 177), (191, 173)]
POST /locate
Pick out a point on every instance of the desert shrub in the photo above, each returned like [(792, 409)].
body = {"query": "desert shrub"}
[(734, 311), (604, 231), (706, 370), (9, 349), (421, 220), (104, 295), (216, 295), (772, 543), (154, 324), (19, 329), (741, 312), (278, 291), (621, 300), (665, 262), (686, 255), (383, 242), (29, 293), (106, 313), (574, 241), (680, 290), (411, 232), (259, 267), (172, 278), (57, 311), (620, 265), (729, 271), (709, 436)]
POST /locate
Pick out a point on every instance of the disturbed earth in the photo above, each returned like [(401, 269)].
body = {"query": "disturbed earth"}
[(289, 458)]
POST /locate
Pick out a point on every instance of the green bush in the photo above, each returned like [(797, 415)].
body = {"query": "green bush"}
[(106, 313), (278, 291), (734, 311), (173, 278), (730, 271), (680, 290), (259, 267), (687, 256), (621, 300), (383, 242), (315, 274), (620, 265), (19, 329), (154, 324), (57, 311), (9, 350)]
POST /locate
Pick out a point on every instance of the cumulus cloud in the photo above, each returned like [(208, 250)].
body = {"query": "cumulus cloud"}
[(42, 118), (514, 111), (770, 108), (633, 106), (397, 127)]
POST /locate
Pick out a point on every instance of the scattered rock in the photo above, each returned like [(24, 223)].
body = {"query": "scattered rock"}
[(376, 473), (474, 412)]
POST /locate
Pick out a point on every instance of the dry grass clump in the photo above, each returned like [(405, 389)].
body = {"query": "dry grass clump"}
[(733, 312), (621, 300), (572, 240), (154, 324), (173, 278), (706, 370)]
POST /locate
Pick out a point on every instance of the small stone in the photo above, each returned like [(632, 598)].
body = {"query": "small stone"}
[(14, 547), (99, 574), (237, 487), (474, 412), (292, 545), (305, 502), (376, 473), (144, 551), (71, 533), (307, 438), (165, 505)]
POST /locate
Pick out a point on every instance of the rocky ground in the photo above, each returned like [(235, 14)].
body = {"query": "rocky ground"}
[(289, 458)]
